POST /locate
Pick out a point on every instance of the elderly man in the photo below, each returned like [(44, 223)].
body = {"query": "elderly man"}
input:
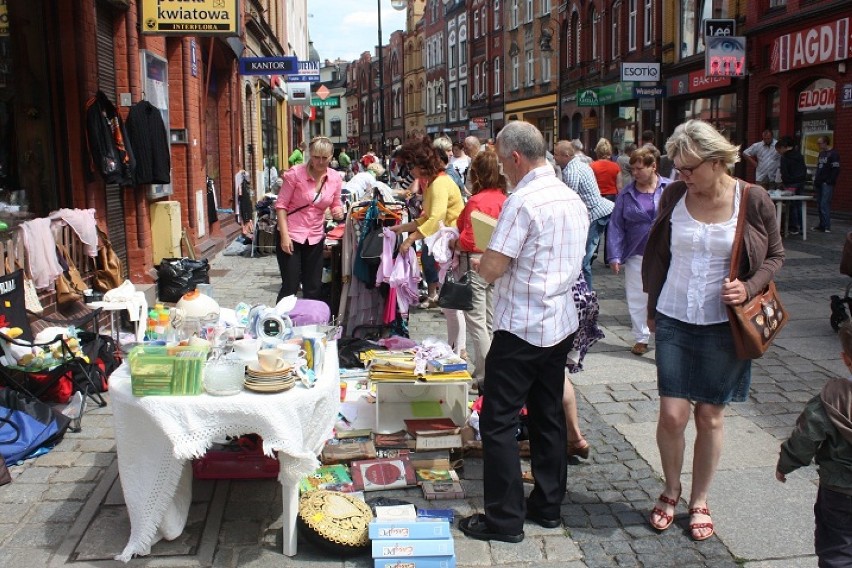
[(579, 176), (765, 159), (533, 259), (472, 146)]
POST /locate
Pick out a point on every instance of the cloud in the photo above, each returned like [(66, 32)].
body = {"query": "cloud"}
[(347, 28)]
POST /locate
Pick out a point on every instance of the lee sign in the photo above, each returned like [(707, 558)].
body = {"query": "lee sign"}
[(640, 72), (812, 46)]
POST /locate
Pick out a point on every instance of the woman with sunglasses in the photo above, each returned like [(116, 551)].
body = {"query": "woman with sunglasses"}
[(307, 190), (685, 272)]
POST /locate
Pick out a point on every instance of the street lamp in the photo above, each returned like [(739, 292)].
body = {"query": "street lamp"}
[(396, 5)]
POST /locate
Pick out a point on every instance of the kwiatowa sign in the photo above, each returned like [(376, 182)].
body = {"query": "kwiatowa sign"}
[(190, 17)]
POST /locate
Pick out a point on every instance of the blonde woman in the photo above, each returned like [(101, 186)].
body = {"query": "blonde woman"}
[(307, 190), (685, 273)]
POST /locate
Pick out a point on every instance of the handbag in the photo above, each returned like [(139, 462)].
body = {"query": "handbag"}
[(69, 284), (31, 299), (108, 270), (372, 245), (456, 294), (756, 322)]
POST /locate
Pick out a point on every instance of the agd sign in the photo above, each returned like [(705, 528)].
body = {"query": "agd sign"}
[(640, 72)]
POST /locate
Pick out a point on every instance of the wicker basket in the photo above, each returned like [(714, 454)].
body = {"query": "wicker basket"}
[(335, 521)]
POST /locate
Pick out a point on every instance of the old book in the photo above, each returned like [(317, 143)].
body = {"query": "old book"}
[(442, 490), (389, 513), (379, 474), (328, 477), (438, 442), (431, 426), (399, 439), (345, 451), (424, 474), (483, 226), (433, 459)]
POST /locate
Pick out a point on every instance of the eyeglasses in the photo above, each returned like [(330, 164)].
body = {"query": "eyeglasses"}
[(689, 170)]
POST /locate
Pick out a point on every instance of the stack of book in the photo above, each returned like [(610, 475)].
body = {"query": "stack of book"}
[(404, 540), (328, 477), (400, 366), (435, 475), (434, 433)]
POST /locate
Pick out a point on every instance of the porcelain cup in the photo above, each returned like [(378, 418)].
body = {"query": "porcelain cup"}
[(270, 360), (290, 352), (246, 348)]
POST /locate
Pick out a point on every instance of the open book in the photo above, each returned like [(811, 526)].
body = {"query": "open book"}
[(483, 225)]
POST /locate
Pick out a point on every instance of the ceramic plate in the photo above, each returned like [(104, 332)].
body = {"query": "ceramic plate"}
[(269, 389), (255, 370)]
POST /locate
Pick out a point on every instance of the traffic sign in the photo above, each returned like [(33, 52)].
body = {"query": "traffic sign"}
[(323, 92)]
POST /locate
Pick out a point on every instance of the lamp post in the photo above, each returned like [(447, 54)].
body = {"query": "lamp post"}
[(396, 5)]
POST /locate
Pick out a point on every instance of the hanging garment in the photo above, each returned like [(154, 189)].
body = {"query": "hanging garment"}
[(40, 248), (108, 143), (82, 222), (150, 143)]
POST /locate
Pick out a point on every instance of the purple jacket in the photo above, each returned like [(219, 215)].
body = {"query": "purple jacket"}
[(630, 224)]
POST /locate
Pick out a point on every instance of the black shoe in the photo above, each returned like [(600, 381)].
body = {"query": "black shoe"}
[(474, 527), (546, 523)]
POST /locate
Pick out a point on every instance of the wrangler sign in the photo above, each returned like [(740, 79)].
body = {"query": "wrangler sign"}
[(190, 17)]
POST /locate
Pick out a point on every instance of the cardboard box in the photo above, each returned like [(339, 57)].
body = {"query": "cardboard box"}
[(413, 548), (414, 530), (425, 562)]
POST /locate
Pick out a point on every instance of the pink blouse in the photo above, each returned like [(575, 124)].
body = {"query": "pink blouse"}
[(298, 190)]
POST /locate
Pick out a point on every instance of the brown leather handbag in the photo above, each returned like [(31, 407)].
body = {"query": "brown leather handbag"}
[(108, 269), (69, 284), (756, 322)]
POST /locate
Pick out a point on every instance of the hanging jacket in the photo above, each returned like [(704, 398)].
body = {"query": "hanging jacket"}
[(109, 146), (150, 143)]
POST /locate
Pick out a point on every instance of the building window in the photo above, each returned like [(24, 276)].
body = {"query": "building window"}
[(463, 52), (777, 3), (451, 56), (336, 130), (515, 69), (476, 24), (545, 67), (496, 14), (693, 13), (649, 22), (529, 10), (594, 18), (616, 50), (513, 15), (772, 121), (545, 7), (452, 99), (463, 97), (575, 35), (530, 69), (631, 25), (496, 71), (476, 77)]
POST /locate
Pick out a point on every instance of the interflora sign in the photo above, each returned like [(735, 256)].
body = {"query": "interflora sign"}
[(824, 43), (190, 17), (608, 94)]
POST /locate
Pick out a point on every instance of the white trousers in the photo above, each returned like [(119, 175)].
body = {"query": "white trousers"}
[(637, 300)]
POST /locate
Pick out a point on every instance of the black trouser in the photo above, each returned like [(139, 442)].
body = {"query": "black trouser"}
[(519, 373), (303, 266), (833, 534)]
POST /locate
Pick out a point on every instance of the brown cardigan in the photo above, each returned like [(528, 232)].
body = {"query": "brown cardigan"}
[(763, 252)]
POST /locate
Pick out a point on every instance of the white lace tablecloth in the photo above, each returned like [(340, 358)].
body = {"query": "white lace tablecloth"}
[(157, 436)]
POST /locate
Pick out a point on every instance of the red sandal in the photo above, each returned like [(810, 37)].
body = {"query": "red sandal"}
[(697, 526), (662, 514)]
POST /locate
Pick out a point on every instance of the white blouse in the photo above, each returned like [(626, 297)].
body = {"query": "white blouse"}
[(701, 260)]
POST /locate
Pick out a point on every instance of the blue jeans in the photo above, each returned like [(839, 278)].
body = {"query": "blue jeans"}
[(824, 194), (795, 208), (596, 229)]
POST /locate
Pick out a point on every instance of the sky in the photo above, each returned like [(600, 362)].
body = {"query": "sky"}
[(347, 28)]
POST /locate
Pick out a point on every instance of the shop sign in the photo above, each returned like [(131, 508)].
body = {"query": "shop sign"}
[(647, 104), (846, 98), (725, 57), (268, 65), (608, 94), (590, 122), (199, 18), (818, 98), (4, 19), (328, 102), (812, 46), (478, 123), (309, 72), (298, 93), (640, 72), (720, 28), (587, 97), (696, 82), (649, 92)]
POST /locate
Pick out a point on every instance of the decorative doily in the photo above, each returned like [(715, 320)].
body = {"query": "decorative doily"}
[(336, 518)]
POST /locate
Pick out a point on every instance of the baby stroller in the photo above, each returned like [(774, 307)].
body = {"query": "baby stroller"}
[(839, 311)]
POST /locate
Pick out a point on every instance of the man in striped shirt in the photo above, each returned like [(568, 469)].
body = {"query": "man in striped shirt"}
[(533, 259)]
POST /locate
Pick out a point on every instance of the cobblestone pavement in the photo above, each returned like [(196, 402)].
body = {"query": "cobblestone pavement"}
[(56, 510)]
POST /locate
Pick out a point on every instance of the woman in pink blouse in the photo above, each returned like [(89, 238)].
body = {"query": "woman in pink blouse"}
[(307, 190)]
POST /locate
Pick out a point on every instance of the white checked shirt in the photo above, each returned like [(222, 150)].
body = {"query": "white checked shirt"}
[(768, 161), (542, 228)]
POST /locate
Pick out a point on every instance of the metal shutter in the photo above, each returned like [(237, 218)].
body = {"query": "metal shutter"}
[(106, 83)]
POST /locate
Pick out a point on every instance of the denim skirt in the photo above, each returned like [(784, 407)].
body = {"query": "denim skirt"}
[(699, 362)]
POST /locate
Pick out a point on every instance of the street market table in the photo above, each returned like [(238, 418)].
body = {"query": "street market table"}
[(779, 201), (156, 438)]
